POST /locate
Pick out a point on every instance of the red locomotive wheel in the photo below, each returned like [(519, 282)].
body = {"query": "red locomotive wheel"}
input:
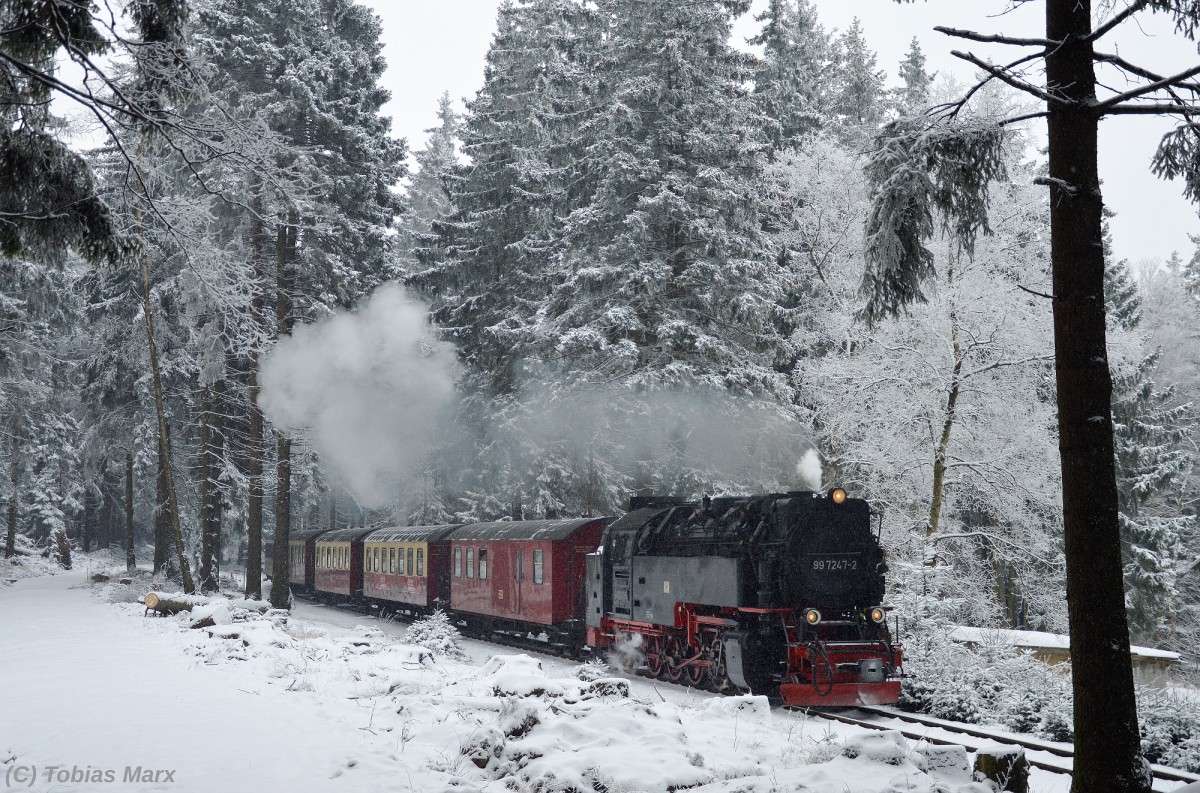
[(654, 658), (675, 657)]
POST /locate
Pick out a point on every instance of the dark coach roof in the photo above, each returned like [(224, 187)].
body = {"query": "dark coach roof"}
[(525, 529), (412, 533), (345, 535), (306, 535)]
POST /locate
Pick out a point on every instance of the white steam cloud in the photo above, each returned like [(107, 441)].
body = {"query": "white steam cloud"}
[(808, 470), (372, 389)]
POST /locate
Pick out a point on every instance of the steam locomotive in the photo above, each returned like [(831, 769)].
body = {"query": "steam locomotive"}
[(778, 594)]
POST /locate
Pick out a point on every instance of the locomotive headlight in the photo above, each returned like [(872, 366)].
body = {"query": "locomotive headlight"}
[(837, 495), (877, 615), (812, 616)]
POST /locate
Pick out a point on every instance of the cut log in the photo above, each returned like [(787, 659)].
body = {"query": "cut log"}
[(99, 578), (1006, 766), (157, 603), (207, 622)]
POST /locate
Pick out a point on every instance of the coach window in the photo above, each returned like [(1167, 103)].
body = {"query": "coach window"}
[(366, 562), (391, 560), (420, 561), (470, 563), (411, 567), (458, 562), (482, 563), (537, 565)]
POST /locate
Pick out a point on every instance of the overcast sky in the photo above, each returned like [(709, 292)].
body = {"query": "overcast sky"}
[(436, 46)]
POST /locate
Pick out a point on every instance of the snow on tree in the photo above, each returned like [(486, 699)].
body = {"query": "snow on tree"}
[(861, 94), (792, 80), (437, 634), (1150, 431), (914, 96), (428, 193), (918, 413)]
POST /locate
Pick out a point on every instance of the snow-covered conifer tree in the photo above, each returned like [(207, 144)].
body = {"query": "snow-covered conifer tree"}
[(792, 81)]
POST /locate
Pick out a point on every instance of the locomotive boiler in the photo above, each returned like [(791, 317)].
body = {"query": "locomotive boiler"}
[(778, 594)]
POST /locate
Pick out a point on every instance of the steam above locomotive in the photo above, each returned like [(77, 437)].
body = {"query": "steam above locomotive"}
[(777, 593)]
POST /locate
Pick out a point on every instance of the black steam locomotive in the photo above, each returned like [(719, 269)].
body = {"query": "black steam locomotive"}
[(774, 593)]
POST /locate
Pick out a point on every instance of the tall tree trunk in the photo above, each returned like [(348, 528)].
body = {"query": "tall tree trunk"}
[(1107, 743), (162, 519), (130, 560), (164, 442), (108, 507), (939, 457), (281, 562), (89, 516), (14, 490), (254, 462), (208, 519)]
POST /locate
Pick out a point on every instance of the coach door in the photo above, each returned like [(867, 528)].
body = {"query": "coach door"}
[(518, 577)]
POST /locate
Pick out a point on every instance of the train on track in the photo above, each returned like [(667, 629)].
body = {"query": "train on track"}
[(779, 594)]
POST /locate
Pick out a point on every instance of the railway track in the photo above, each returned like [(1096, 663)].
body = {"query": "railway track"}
[(1061, 756)]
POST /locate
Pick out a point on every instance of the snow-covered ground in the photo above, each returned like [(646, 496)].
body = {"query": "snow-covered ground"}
[(332, 700)]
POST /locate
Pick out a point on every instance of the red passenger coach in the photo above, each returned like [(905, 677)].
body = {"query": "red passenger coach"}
[(302, 546), (408, 566), (339, 562), (523, 571)]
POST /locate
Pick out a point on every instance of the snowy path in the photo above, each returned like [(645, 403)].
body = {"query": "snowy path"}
[(325, 704), (84, 685)]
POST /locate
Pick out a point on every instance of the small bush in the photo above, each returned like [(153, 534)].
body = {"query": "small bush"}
[(438, 635)]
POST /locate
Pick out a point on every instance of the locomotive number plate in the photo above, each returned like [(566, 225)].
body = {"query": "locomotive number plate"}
[(834, 564)]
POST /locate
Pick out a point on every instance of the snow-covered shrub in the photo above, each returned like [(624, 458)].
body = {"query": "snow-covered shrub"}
[(592, 670), (989, 682), (437, 634), (1170, 724)]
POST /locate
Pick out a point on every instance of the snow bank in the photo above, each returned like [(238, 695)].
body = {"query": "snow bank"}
[(321, 706)]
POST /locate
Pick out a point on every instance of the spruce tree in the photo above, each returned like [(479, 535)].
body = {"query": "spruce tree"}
[(318, 230), (860, 88), (914, 96), (521, 137), (791, 83), (1150, 430), (428, 193), (668, 255)]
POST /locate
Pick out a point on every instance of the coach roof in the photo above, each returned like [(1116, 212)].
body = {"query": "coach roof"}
[(306, 535), (345, 535), (525, 529), (412, 533)]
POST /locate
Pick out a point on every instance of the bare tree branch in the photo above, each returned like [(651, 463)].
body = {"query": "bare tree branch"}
[(1166, 82), (995, 39), (1099, 32), (1000, 73)]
